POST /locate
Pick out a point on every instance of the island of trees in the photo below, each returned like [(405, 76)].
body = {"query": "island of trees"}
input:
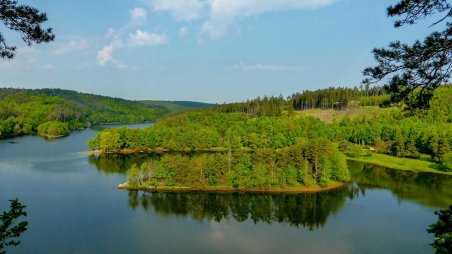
[(277, 143)]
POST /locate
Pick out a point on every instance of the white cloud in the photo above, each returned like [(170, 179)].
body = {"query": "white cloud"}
[(219, 15), (265, 67), (137, 16), (137, 39), (180, 9), (140, 38), (105, 55), (71, 46), (224, 13), (183, 31)]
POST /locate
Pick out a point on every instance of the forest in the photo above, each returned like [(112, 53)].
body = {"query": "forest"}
[(54, 112), (237, 133)]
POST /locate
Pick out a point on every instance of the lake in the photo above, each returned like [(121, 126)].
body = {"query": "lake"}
[(74, 206)]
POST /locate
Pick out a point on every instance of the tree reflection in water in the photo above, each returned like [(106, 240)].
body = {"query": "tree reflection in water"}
[(309, 210), (433, 190)]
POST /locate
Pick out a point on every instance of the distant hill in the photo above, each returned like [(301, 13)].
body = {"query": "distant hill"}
[(22, 111), (176, 106)]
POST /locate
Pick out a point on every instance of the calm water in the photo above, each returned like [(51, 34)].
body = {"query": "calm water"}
[(74, 207)]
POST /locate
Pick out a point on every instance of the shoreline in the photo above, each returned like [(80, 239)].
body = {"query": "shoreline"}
[(406, 164), (161, 150), (315, 189)]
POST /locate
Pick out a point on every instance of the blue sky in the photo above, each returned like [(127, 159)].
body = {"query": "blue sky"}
[(204, 50)]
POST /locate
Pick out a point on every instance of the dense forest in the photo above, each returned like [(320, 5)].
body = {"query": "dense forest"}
[(274, 127), (53, 112), (292, 152)]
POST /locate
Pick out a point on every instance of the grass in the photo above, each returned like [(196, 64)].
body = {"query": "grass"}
[(423, 164), (332, 115)]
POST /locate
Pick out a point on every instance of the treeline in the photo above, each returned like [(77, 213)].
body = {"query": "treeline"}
[(267, 106), (330, 98), (22, 111), (339, 98), (310, 210), (206, 130)]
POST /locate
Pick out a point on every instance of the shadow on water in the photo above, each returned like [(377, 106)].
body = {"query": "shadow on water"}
[(429, 189), (118, 163), (309, 210)]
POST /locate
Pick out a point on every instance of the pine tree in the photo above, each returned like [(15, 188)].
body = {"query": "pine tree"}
[(416, 70), (27, 21), (410, 148), (398, 147), (443, 149)]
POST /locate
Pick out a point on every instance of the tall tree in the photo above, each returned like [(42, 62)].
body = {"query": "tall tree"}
[(27, 21), (415, 71)]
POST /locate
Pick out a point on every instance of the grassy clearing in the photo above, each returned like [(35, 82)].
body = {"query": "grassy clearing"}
[(331, 115), (423, 164)]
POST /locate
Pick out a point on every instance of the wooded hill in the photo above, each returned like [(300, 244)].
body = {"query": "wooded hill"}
[(22, 111), (266, 143)]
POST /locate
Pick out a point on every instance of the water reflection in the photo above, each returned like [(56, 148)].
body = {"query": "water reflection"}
[(433, 190), (309, 210), (118, 163), (306, 210)]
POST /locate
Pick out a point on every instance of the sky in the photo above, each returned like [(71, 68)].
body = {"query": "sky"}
[(203, 50)]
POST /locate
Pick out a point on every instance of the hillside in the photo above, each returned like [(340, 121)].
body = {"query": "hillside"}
[(177, 106), (22, 111)]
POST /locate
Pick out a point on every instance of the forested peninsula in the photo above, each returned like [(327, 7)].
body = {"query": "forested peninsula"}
[(53, 113), (276, 143)]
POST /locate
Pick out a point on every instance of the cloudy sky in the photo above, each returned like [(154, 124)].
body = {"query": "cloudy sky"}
[(203, 50)]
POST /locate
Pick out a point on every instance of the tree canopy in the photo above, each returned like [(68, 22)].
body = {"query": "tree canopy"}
[(27, 21), (414, 71)]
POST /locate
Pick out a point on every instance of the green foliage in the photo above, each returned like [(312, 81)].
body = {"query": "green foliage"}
[(289, 167), (22, 110), (442, 229), (10, 228), (447, 161), (338, 98), (110, 141), (53, 129), (404, 134)]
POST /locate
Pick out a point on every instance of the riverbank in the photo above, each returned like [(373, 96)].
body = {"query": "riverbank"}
[(161, 150), (423, 164), (313, 189)]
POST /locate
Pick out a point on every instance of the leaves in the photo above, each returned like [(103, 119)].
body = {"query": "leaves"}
[(10, 229), (414, 71), (27, 21), (442, 230)]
